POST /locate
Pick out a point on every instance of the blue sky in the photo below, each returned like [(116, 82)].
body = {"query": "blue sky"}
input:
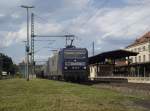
[(111, 24)]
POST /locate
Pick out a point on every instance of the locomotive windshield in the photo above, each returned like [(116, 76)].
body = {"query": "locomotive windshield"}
[(81, 54)]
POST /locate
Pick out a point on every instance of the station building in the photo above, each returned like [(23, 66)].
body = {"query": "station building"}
[(106, 64), (132, 63), (140, 64), (142, 46)]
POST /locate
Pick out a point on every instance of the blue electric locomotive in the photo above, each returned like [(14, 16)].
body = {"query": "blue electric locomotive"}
[(70, 64)]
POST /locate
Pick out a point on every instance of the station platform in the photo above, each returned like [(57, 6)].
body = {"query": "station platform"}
[(121, 79)]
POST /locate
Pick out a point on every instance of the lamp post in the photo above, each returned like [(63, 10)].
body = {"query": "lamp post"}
[(27, 45), (25, 70)]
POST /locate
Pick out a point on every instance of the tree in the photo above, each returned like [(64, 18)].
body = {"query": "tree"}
[(6, 64)]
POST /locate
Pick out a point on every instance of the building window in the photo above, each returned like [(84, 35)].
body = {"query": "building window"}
[(98, 69), (139, 58), (53, 62), (131, 60), (90, 69), (143, 58), (135, 50), (139, 49), (95, 69), (135, 59), (143, 48)]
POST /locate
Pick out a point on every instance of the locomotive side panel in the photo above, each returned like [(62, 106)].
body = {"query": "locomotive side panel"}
[(53, 65), (60, 64), (45, 69)]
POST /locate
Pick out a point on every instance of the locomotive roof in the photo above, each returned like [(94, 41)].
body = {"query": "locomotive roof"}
[(71, 48)]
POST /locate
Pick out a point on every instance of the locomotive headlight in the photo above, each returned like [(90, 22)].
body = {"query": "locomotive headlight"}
[(84, 67), (65, 67)]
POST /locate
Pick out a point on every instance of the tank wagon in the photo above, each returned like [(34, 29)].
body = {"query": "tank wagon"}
[(70, 64)]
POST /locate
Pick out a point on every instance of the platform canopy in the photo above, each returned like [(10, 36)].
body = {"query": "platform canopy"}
[(115, 54)]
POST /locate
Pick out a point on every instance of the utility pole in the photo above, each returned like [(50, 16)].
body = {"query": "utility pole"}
[(27, 46), (149, 55), (93, 48), (25, 70), (1, 64), (32, 45)]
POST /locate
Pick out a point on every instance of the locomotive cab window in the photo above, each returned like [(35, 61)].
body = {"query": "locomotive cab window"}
[(75, 54)]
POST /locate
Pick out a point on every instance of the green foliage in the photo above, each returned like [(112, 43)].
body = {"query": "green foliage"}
[(6, 64), (18, 75)]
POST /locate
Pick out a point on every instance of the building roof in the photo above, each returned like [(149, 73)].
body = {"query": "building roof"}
[(143, 39), (115, 54)]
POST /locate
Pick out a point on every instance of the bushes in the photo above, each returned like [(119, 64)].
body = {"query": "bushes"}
[(18, 75)]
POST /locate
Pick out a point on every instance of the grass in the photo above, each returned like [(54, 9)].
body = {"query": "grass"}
[(47, 95)]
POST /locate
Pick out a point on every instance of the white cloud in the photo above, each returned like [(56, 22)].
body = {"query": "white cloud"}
[(15, 15), (137, 2), (48, 28), (125, 22), (1, 15), (41, 57), (106, 22), (15, 37), (81, 18), (21, 34), (77, 4)]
